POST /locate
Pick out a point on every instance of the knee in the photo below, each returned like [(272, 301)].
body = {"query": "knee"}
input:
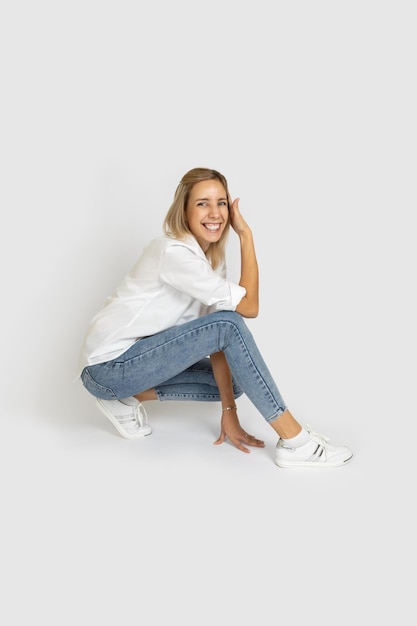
[(229, 316), (229, 322)]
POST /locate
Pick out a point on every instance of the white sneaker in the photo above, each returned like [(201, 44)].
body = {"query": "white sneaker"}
[(315, 453), (130, 420)]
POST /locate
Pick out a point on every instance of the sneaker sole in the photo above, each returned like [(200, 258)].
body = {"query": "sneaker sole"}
[(142, 432), (296, 464)]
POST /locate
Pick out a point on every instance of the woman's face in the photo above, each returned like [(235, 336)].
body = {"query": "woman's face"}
[(207, 212)]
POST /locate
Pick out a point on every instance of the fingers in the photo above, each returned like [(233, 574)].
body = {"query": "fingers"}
[(241, 442), (234, 209), (250, 440), (235, 203), (220, 439), (237, 222), (242, 448), (247, 440)]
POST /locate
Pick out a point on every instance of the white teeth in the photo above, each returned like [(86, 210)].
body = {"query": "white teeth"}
[(212, 227)]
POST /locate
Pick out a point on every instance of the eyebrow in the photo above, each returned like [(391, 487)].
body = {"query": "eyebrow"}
[(199, 199)]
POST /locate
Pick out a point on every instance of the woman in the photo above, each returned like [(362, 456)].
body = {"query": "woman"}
[(174, 330)]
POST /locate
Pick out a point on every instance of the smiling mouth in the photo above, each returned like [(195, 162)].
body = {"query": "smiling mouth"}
[(213, 228)]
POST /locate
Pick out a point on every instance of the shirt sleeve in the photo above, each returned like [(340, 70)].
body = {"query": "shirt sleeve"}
[(189, 272)]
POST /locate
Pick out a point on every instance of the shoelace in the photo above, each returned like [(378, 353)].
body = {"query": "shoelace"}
[(322, 441), (318, 437), (139, 417), (140, 414)]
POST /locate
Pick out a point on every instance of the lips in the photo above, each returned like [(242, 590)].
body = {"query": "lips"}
[(213, 228)]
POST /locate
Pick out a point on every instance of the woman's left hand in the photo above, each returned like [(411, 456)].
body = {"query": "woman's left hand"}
[(232, 430), (237, 222)]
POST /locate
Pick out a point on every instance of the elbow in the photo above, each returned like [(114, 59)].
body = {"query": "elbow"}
[(248, 310), (253, 312)]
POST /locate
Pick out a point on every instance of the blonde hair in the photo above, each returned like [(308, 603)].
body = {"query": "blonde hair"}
[(175, 224)]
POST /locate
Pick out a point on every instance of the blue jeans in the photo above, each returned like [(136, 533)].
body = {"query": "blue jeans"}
[(175, 363)]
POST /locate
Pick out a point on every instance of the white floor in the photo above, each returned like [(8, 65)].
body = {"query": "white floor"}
[(100, 530)]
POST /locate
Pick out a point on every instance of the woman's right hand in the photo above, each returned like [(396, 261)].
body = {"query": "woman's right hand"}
[(233, 431)]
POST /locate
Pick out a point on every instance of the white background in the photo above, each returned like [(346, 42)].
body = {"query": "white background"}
[(309, 109)]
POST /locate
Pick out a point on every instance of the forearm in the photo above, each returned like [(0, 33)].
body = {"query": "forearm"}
[(249, 276)]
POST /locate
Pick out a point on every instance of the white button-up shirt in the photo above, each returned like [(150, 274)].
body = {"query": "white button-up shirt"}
[(171, 283)]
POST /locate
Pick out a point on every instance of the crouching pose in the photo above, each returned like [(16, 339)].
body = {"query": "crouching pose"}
[(175, 329)]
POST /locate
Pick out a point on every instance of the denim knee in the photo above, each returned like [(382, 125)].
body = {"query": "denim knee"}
[(93, 387)]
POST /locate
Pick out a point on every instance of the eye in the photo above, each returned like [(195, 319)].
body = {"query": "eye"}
[(201, 203)]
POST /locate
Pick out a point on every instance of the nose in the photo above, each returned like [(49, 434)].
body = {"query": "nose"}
[(214, 210)]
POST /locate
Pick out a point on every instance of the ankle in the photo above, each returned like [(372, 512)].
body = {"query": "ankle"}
[(298, 440), (286, 426), (144, 396)]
